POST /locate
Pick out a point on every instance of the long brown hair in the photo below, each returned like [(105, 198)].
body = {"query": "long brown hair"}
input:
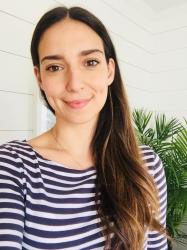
[(126, 197)]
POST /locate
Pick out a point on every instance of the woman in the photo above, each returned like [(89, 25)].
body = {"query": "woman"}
[(84, 184)]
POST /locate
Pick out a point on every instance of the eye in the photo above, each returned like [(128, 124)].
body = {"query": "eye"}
[(54, 68), (92, 63)]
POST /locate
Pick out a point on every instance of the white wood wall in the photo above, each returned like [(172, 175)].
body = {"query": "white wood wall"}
[(151, 49)]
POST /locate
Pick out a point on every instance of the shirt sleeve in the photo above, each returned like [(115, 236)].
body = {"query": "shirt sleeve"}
[(155, 240), (11, 199)]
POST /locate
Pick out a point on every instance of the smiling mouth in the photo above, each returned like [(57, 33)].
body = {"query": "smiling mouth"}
[(78, 104)]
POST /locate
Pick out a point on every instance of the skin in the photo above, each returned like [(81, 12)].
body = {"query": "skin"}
[(75, 76)]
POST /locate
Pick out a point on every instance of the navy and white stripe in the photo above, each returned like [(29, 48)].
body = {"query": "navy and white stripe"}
[(154, 239), (46, 205)]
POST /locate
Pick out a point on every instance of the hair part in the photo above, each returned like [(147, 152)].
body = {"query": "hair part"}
[(117, 156)]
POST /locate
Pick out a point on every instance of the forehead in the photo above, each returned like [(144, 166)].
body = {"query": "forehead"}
[(69, 36)]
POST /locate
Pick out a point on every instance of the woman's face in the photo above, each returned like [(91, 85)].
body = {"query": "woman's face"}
[(73, 71)]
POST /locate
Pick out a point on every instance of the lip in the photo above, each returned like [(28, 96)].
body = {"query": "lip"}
[(78, 104)]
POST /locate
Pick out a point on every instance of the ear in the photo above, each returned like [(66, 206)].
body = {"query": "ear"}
[(38, 76), (111, 71)]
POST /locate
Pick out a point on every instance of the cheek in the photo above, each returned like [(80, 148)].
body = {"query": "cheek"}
[(51, 87), (100, 88), (99, 83)]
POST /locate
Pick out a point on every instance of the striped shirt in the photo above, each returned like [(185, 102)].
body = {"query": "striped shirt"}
[(46, 205)]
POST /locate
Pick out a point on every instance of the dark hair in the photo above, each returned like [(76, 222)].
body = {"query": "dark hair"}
[(115, 150)]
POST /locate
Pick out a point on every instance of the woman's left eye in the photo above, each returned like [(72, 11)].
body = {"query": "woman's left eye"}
[(92, 63)]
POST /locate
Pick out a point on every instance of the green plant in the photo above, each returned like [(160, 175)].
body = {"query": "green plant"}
[(168, 138)]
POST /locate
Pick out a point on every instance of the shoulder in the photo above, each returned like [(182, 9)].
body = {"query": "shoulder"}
[(152, 162), (8, 150), (148, 154), (150, 157), (14, 152), (13, 146), (17, 157), (11, 166)]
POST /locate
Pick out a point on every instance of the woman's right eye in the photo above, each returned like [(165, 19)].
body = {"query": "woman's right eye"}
[(54, 68)]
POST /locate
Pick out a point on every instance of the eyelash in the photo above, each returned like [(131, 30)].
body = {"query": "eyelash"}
[(51, 68), (93, 60), (54, 68)]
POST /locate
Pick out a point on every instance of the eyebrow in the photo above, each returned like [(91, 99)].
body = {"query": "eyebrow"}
[(82, 53)]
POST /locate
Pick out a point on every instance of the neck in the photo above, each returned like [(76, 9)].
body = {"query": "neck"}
[(74, 138)]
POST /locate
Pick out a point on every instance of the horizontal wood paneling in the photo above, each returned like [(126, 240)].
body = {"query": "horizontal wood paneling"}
[(26, 10), (16, 74), (15, 35), (16, 111)]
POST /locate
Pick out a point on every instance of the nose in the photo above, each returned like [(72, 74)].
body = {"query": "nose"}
[(74, 80)]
